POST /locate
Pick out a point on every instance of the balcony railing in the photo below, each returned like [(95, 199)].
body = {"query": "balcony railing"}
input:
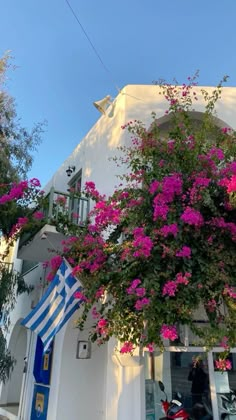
[(58, 208), (58, 203)]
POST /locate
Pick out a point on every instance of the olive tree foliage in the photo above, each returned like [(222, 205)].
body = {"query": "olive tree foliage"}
[(17, 142), (17, 145)]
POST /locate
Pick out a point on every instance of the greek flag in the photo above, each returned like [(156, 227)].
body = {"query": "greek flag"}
[(56, 306)]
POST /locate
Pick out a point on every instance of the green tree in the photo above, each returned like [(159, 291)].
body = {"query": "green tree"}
[(17, 145)]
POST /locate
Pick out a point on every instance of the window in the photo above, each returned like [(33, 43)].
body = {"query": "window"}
[(79, 207)]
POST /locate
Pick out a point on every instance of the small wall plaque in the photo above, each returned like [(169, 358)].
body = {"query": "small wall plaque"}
[(83, 350)]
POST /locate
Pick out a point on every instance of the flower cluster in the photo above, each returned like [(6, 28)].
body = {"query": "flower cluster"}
[(17, 204), (169, 232), (169, 332), (223, 364), (162, 247)]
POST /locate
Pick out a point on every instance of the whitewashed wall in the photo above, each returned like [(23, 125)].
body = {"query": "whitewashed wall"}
[(99, 388)]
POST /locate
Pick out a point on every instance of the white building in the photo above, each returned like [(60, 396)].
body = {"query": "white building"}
[(105, 386)]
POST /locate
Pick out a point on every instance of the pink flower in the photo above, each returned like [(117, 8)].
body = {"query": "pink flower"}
[(201, 182), (45, 264), (169, 288), (95, 314), (211, 305), (231, 186), (223, 364), (210, 239), (91, 190), (161, 208), (154, 186), (132, 288), (89, 185), (216, 152), (76, 270), (140, 291), (142, 243), (55, 262), (101, 327), (169, 230), (140, 303), (79, 295), (135, 283), (171, 186), (224, 342), (184, 252), (106, 213), (100, 292), (151, 347), (225, 130), (169, 332), (17, 192), (102, 323), (191, 216), (61, 200), (22, 221), (127, 347), (183, 279), (229, 291), (38, 215), (35, 182)]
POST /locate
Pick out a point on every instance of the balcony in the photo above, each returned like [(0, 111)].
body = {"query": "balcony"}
[(42, 244)]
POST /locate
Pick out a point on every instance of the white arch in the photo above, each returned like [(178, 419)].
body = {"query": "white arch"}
[(17, 346), (194, 115)]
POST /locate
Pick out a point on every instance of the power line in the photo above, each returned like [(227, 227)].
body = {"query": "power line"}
[(90, 42), (96, 52)]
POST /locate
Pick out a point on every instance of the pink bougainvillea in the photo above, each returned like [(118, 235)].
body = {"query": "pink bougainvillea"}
[(161, 247), (193, 217), (169, 332), (127, 347), (223, 364)]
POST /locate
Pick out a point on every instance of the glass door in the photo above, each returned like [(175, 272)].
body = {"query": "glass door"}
[(185, 375), (225, 385)]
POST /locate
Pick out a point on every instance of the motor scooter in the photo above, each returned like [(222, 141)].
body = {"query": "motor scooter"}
[(174, 409), (227, 405)]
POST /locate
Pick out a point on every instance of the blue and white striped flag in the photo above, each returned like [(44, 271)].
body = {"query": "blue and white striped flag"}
[(56, 306)]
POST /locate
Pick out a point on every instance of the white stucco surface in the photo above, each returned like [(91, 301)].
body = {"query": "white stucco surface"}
[(98, 388)]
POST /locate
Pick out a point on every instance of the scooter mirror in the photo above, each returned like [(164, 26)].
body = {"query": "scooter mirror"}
[(161, 386), (178, 395)]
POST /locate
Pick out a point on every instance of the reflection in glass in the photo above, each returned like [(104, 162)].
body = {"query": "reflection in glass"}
[(184, 373), (225, 382)]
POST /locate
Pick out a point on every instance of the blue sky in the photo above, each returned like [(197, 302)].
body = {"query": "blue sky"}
[(58, 75)]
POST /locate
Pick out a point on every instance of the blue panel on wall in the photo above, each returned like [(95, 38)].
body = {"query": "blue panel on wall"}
[(40, 402), (42, 364)]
